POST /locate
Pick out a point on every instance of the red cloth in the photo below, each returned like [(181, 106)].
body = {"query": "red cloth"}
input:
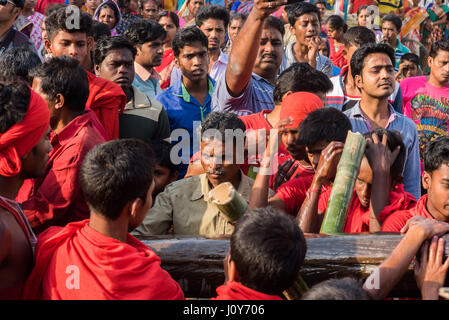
[(397, 220), (106, 99), (356, 4), (23, 136), (108, 268), (166, 67), (337, 58), (301, 170), (358, 216), (57, 198), (298, 105), (42, 5), (294, 192), (236, 291)]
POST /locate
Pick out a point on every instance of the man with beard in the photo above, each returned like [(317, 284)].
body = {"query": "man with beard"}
[(185, 204), (372, 67), (144, 117), (248, 83), (148, 37)]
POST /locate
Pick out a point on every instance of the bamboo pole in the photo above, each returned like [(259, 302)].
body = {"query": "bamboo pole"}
[(343, 188), (230, 203), (297, 290)]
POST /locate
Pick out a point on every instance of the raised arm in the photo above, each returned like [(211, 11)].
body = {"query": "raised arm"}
[(245, 47)]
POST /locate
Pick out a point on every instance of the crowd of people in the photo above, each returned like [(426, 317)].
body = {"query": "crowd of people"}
[(117, 119)]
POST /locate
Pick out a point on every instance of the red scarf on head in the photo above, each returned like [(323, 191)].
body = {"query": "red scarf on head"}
[(18, 140), (298, 105), (236, 291), (106, 268)]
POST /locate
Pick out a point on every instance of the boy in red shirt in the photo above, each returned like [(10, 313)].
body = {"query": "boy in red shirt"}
[(56, 198), (97, 259), (267, 250), (435, 180)]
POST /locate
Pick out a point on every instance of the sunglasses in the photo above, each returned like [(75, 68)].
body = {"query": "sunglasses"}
[(5, 2)]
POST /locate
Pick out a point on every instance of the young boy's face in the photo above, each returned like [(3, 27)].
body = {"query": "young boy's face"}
[(314, 152), (410, 69), (162, 177), (437, 185), (64, 43), (363, 183)]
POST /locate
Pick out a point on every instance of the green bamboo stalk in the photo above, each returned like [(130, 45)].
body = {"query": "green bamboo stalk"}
[(343, 187), (297, 290), (230, 203)]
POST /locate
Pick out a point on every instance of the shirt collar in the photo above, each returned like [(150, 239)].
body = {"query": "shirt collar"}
[(223, 57), (144, 74), (356, 111), (70, 130), (186, 95), (202, 189)]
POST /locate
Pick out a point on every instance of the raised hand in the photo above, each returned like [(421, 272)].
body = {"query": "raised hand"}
[(329, 159), (379, 156)]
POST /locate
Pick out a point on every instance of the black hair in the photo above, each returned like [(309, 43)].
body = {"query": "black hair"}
[(337, 289), (394, 139), (100, 30), (161, 150), (64, 75), (19, 61), (300, 77), (337, 22), (173, 16), (359, 10), (144, 30), (268, 249), (320, 2), (275, 23), (188, 36), (113, 8), (222, 121), (14, 101), (439, 45), (325, 124), (358, 58), (394, 19), (114, 173), (436, 154), (212, 12), (58, 21), (106, 45), (142, 3), (238, 16), (299, 9), (52, 7), (358, 36), (411, 57)]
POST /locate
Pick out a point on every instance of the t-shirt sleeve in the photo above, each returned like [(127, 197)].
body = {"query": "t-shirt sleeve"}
[(396, 221), (222, 100), (293, 194)]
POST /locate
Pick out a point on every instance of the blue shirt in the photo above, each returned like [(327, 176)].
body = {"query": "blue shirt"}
[(257, 96), (150, 88), (186, 113), (407, 128)]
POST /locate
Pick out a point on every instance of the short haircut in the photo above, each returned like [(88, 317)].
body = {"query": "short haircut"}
[(394, 19), (57, 20), (144, 30), (212, 12), (19, 62), (436, 154), (115, 173), (161, 150), (299, 9), (64, 75), (106, 45), (221, 121), (142, 3), (439, 45), (337, 22), (411, 57), (358, 58), (100, 30), (238, 16), (325, 124), (358, 36), (14, 101), (300, 77), (187, 37), (275, 23), (394, 139), (173, 16), (268, 249), (337, 289), (359, 10)]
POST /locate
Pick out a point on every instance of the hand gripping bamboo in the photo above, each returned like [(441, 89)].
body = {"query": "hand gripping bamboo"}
[(230, 203)]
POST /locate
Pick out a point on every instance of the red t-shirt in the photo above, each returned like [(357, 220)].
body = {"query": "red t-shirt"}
[(358, 216), (356, 4), (236, 291), (294, 192), (396, 221)]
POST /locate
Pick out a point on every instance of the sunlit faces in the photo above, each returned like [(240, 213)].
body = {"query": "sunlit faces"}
[(234, 28), (215, 31), (437, 186), (170, 28), (72, 44), (377, 76), (306, 27), (118, 67), (150, 10), (194, 6), (389, 31), (107, 16), (362, 18), (193, 62), (410, 69), (270, 53), (439, 67), (150, 53)]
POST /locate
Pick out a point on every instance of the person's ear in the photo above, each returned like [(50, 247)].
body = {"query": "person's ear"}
[(286, 94), (292, 30), (426, 180), (90, 44), (139, 51), (47, 45), (358, 81), (97, 68), (134, 211), (233, 274), (430, 61), (177, 63), (59, 101), (345, 54)]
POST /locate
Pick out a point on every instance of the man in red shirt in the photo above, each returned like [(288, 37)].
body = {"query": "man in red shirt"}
[(24, 147), (106, 98), (57, 199), (435, 179)]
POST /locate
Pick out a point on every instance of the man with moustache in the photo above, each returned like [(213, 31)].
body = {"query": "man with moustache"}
[(144, 117), (372, 67), (185, 204)]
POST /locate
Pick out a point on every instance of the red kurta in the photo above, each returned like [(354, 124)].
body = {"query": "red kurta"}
[(358, 216), (78, 263), (396, 221), (337, 58), (57, 198), (106, 99), (236, 291)]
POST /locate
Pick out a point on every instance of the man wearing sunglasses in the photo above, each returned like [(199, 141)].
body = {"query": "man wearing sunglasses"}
[(9, 36)]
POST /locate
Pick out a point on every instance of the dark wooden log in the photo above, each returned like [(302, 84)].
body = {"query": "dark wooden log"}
[(197, 263)]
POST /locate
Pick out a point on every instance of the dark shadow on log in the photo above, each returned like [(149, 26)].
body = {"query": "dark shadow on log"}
[(197, 263)]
